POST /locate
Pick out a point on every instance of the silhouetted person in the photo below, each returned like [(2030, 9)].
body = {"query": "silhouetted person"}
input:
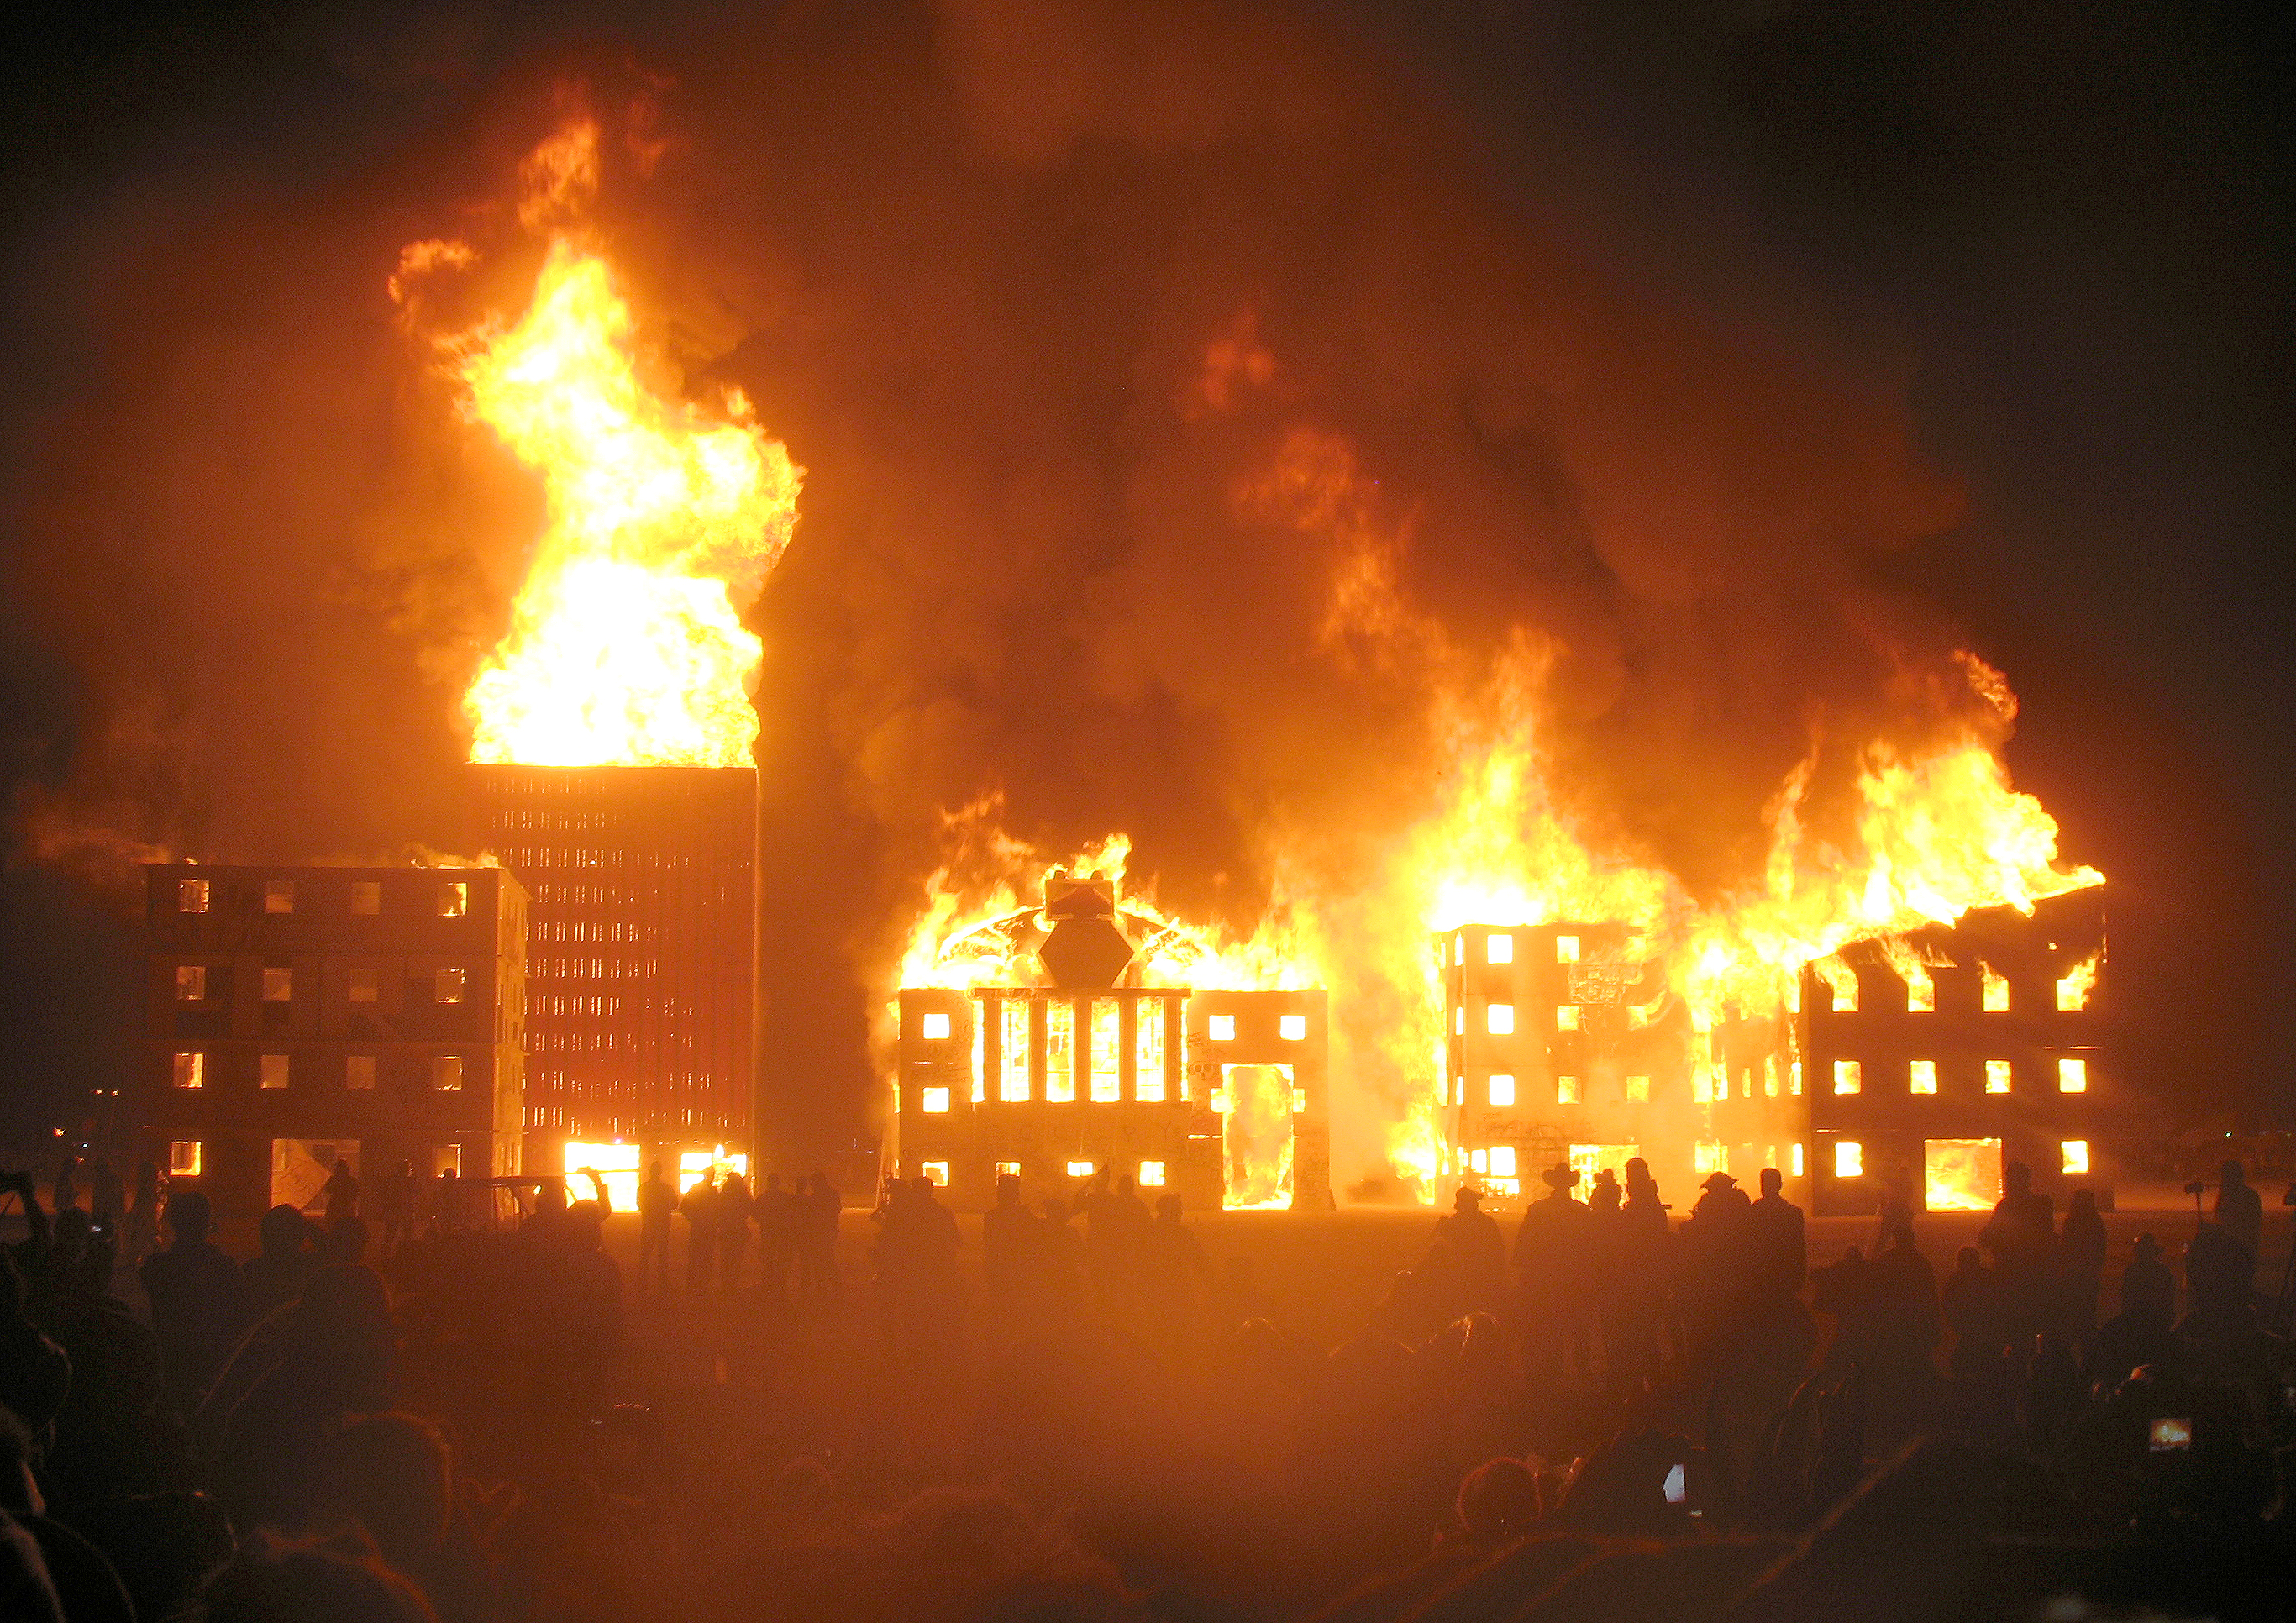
[(1906, 1307), (2240, 1210), (1173, 1268), (1467, 1257), (1843, 1291), (2079, 1268), (67, 1193), (107, 1197), (198, 1301), (1553, 1257), (396, 1192), (1971, 1302), (1005, 1238), (656, 1201), (140, 1231), (274, 1275), (446, 1201), (1720, 1268), (699, 1208), (2144, 1330), (733, 1205), (818, 1216), (35, 1373), (339, 1194), (1780, 1238), (777, 1225), (2022, 1236), (915, 1258)]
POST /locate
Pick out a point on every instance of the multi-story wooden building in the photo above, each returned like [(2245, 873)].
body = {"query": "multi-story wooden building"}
[(296, 1016), (1932, 1063), (642, 955)]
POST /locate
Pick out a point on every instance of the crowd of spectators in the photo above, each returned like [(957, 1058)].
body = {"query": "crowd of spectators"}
[(1610, 1413)]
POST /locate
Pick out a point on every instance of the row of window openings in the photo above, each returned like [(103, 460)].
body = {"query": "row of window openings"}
[(1151, 1175), (194, 894), (593, 932), (1499, 948), (1850, 1075), (361, 985), (1500, 1091), (1921, 991), (935, 1100), (187, 1158), (1498, 1018), (271, 1071), (593, 969), (1217, 1027), (1849, 1157)]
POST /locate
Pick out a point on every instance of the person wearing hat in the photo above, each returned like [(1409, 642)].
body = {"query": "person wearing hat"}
[(1554, 1262), (1467, 1256)]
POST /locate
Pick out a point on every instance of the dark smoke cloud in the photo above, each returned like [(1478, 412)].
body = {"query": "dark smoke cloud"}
[(969, 263)]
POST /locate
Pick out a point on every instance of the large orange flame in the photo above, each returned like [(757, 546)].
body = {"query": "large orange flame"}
[(1933, 834), (626, 646)]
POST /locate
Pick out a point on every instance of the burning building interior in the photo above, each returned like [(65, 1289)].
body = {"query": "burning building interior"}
[(641, 982), (299, 1016), (1064, 1056), (1935, 1058)]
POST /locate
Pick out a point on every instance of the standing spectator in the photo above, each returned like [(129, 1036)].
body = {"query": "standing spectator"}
[(1553, 1258), (199, 1299), (340, 1193), (699, 1208), (656, 1201), (141, 1230), (734, 1206), (818, 1245), (67, 1192), (1004, 1238), (2080, 1267), (1467, 1257), (2240, 1210), (107, 1196), (776, 1233)]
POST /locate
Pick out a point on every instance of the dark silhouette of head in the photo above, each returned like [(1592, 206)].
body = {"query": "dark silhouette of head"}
[(1008, 1189), (393, 1475), (1773, 1181), (2233, 1175), (1468, 1199), (189, 1216), (272, 1581), (2017, 1178), (1968, 1260), (282, 1231), (653, 1172), (1498, 1497)]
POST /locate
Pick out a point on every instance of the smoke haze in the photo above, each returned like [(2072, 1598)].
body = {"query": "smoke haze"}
[(1117, 342)]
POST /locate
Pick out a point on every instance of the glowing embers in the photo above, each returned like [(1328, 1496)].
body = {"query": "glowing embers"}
[(1256, 1136), (1961, 1174), (616, 1165)]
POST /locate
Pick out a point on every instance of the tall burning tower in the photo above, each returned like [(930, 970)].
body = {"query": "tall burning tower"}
[(614, 735)]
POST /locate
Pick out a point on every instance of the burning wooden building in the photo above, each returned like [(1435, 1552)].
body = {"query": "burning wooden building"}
[(296, 1016), (1933, 1059), (641, 956), (1565, 1045), (1220, 1096)]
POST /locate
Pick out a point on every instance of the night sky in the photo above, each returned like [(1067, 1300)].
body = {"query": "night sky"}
[(247, 566)]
